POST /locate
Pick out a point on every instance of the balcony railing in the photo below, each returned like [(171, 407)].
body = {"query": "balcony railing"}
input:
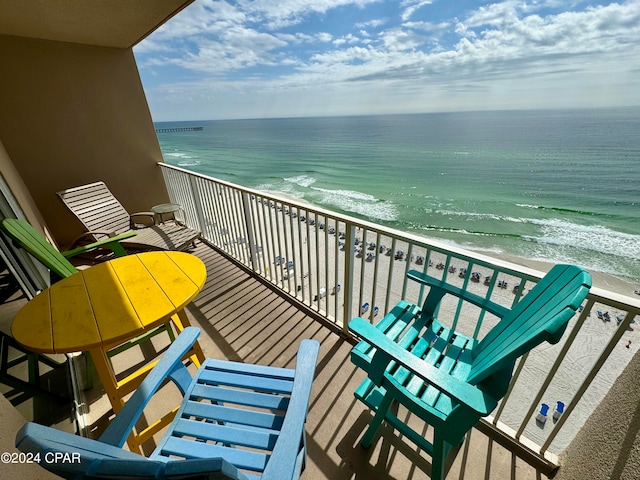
[(339, 267)]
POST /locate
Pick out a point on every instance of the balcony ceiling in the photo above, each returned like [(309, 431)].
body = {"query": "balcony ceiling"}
[(106, 23)]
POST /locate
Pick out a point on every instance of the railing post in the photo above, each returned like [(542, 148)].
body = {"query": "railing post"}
[(250, 235), (348, 275), (197, 203)]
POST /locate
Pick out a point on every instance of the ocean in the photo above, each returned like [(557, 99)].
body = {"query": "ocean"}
[(553, 185)]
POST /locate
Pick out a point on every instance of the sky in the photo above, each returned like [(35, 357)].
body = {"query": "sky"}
[(298, 58)]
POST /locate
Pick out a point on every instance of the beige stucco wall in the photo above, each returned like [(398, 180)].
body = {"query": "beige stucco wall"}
[(19, 190), (608, 445), (73, 114)]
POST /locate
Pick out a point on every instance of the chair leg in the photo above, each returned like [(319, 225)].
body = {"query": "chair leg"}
[(30, 388), (90, 369), (34, 369), (438, 458), (381, 412), (169, 331)]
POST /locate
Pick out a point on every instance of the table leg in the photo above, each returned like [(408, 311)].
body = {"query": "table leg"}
[(105, 371), (110, 384), (181, 321), (107, 377)]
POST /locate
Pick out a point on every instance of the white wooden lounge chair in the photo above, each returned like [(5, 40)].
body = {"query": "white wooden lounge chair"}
[(102, 214)]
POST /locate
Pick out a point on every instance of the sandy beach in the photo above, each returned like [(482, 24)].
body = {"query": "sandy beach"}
[(316, 273)]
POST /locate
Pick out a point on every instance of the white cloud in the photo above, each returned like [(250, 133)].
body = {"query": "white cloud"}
[(502, 55), (412, 6), (239, 48), (347, 39), (291, 12), (324, 37), (506, 35), (375, 23)]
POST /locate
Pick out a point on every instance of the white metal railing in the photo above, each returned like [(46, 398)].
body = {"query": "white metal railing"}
[(342, 267)]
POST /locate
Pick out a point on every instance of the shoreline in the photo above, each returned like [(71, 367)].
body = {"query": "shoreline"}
[(605, 280)]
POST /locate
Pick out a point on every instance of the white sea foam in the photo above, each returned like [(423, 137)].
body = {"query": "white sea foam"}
[(178, 155), (563, 233), (351, 195), (184, 159), (486, 250), (301, 180), (490, 216), (283, 188), (358, 202), (591, 237)]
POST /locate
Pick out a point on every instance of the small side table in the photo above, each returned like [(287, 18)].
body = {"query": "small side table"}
[(164, 209)]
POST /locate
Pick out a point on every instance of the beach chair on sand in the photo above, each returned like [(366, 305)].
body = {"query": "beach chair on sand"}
[(559, 410), (543, 413), (445, 378), (236, 421), (103, 215), (33, 242)]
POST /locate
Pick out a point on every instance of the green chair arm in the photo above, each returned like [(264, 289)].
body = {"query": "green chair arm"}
[(112, 243), (89, 236), (387, 351)]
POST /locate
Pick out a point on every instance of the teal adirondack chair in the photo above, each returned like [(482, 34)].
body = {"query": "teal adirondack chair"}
[(237, 421), (33, 242), (445, 378)]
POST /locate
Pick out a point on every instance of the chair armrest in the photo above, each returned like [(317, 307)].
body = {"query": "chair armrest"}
[(112, 243), (444, 287), (387, 351), (94, 459), (144, 468), (148, 219), (284, 462), (43, 440), (169, 366), (92, 234)]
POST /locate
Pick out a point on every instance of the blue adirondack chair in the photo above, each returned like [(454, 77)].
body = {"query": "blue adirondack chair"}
[(447, 379), (237, 421)]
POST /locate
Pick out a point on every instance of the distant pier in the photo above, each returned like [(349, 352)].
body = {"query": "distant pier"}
[(180, 129)]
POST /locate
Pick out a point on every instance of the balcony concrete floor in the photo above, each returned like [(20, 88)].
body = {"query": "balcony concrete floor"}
[(242, 319)]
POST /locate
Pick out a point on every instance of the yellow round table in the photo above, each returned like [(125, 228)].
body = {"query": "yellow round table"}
[(108, 304)]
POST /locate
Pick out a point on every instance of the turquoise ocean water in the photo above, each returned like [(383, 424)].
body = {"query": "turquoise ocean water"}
[(558, 185)]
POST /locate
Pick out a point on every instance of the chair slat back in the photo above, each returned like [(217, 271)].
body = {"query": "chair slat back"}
[(34, 243), (96, 207), (541, 315)]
